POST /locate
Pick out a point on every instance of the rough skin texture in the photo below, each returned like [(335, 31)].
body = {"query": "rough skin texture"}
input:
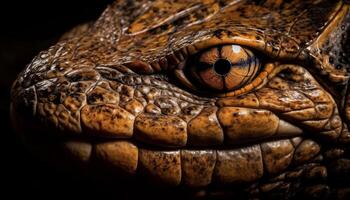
[(113, 94)]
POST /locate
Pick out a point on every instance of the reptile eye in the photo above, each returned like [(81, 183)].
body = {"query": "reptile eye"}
[(225, 68)]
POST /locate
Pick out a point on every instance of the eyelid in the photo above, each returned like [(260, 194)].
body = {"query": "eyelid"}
[(181, 76), (225, 39)]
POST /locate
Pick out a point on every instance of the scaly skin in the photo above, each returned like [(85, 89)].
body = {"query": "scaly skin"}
[(107, 96)]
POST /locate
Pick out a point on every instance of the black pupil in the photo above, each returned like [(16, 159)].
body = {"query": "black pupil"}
[(222, 66)]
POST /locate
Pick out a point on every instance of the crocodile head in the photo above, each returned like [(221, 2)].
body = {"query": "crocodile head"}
[(249, 94)]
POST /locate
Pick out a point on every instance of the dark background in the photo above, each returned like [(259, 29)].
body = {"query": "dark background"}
[(28, 27)]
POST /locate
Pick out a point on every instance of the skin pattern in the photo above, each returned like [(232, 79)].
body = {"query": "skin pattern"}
[(113, 95)]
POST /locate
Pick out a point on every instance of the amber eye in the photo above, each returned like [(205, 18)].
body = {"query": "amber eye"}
[(225, 68)]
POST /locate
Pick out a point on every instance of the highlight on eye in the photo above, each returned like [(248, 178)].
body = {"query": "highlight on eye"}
[(225, 68)]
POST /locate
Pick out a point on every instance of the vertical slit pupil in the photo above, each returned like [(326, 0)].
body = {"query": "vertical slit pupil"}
[(222, 66)]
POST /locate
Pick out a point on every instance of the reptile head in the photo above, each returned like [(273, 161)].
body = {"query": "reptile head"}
[(199, 93)]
